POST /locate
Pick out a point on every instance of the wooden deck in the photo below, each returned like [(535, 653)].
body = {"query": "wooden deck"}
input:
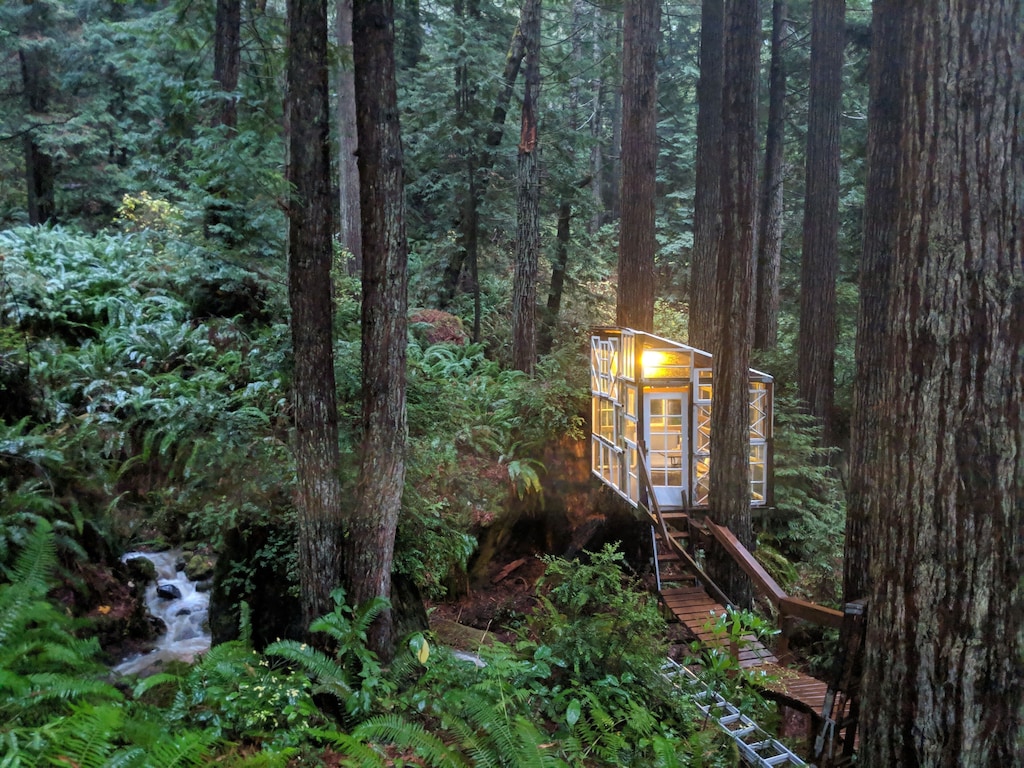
[(696, 610)]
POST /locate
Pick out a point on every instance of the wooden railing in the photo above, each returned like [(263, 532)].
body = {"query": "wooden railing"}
[(654, 509), (790, 609)]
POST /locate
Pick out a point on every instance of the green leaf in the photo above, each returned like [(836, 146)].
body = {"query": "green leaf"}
[(572, 713)]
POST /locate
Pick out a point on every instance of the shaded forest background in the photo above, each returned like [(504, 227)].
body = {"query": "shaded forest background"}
[(146, 360)]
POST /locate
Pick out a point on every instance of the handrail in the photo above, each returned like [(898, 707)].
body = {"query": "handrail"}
[(788, 606), (768, 586), (812, 612), (654, 511)]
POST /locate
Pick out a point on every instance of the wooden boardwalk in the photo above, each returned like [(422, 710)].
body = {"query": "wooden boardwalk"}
[(696, 610)]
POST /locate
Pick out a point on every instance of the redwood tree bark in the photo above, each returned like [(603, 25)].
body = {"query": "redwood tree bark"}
[(370, 546), (707, 196), (938, 455), (310, 232), (524, 286), (729, 481), (640, 31), (819, 265), (769, 224)]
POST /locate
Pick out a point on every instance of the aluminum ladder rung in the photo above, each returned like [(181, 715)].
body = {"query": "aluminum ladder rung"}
[(733, 722)]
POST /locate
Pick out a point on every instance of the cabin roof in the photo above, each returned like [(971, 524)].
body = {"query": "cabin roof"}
[(650, 339)]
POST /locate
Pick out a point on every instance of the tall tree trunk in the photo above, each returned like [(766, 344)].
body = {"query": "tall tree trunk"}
[(348, 145), (227, 58), (467, 240), (558, 267), (310, 232), (729, 481), (819, 265), (513, 61), (524, 287), (37, 82), (634, 307), (707, 194), (613, 177), (221, 216), (769, 224), (597, 91), (876, 291), (938, 456), (562, 232), (371, 531)]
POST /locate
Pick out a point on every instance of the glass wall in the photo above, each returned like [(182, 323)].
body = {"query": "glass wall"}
[(654, 390)]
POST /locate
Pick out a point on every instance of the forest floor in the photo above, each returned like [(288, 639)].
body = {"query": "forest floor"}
[(497, 610)]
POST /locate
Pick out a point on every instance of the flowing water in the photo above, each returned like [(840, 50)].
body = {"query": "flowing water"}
[(183, 609)]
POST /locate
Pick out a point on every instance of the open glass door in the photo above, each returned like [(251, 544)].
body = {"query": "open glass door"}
[(666, 445)]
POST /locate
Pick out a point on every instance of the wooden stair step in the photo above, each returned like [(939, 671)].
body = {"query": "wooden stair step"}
[(675, 515)]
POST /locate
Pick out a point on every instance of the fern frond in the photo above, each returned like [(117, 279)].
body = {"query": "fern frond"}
[(88, 737), (323, 669), (358, 754), (182, 750), (409, 735), (51, 686), (35, 563)]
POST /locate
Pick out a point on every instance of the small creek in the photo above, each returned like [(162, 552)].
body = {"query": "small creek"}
[(175, 600)]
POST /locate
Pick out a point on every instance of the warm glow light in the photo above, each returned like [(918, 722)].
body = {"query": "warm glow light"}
[(652, 358)]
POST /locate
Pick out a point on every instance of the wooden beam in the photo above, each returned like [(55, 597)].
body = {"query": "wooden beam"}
[(766, 584), (812, 612)]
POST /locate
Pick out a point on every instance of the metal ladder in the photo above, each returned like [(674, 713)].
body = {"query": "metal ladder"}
[(756, 746)]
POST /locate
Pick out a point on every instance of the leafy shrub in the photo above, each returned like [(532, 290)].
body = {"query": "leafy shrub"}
[(717, 659), (596, 619), (352, 673)]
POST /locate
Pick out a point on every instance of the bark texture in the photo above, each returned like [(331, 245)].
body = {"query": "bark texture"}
[(310, 232), (938, 455), (769, 225), (371, 528), (640, 33), (524, 286), (729, 481), (707, 221), (819, 265)]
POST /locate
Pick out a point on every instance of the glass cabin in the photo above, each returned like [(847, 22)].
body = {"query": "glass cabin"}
[(644, 387)]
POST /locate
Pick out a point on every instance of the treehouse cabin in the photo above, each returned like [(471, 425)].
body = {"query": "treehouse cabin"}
[(649, 389)]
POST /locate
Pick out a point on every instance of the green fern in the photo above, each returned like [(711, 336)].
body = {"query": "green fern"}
[(495, 736), (353, 674), (42, 663), (357, 753), (391, 729)]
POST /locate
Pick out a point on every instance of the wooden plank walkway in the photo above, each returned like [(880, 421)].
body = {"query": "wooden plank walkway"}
[(696, 610)]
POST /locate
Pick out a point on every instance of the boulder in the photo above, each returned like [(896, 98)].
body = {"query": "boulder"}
[(199, 568), (168, 592), (140, 569)]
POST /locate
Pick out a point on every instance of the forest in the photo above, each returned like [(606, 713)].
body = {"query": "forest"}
[(296, 299)]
